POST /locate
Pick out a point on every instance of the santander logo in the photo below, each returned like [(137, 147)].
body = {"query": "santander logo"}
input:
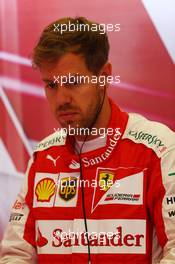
[(116, 236), (117, 239), (112, 143)]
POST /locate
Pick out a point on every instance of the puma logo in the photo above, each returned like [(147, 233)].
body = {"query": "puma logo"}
[(49, 157)]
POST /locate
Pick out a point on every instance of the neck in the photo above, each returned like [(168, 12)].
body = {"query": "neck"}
[(102, 120)]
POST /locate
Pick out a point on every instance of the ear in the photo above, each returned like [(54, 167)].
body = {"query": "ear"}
[(106, 71)]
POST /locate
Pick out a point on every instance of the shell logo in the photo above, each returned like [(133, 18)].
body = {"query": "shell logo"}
[(45, 189)]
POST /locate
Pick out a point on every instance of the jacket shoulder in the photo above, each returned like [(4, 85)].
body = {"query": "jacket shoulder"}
[(58, 138), (154, 135)]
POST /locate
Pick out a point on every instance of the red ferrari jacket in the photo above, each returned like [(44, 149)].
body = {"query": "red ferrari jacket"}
[(129, 192)]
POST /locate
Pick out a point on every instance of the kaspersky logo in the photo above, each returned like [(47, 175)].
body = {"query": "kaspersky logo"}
[(45, 189), (149, 139)]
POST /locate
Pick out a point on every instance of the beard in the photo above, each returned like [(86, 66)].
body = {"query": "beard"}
[(87, 119), (92, 112)]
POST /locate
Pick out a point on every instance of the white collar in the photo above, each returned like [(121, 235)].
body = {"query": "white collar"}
[(92, 144)]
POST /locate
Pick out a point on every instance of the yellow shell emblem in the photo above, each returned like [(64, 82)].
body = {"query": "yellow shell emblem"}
[(45, 189)]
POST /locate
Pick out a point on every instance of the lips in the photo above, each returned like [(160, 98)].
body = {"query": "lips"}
[(68, 115)]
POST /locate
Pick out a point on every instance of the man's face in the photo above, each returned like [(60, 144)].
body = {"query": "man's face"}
[(72, 103)]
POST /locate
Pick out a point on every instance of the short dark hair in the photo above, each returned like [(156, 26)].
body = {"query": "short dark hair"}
[(53, 44)]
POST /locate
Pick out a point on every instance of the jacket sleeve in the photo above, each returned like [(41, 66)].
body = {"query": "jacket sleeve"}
[(168, 205), (14, 248), (164, 207)]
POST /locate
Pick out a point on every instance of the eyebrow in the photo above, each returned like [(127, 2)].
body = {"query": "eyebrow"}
[(47, 80), (51, 80)]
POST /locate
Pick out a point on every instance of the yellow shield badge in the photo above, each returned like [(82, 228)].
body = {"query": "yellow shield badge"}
[(68, 188), (106, 180)]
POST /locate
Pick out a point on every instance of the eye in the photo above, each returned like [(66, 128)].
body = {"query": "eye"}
[(73, 81), (51, 85)]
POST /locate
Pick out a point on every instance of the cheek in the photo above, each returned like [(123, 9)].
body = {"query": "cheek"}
[(89, 101), (46, 93), (49, 95), (88, 95), (50, 99)]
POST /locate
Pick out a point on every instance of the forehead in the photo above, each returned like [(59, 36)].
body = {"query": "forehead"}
[(68, 63)]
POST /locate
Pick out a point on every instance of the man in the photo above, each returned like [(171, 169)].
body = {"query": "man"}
[(89, 198)]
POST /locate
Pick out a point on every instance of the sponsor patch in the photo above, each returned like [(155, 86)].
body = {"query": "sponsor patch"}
[(18, 205), (108, 151), (15, 217), (170, 200), (127, 187), (106, 179), (55, 139), (41, 241), (115, 236), (45, 189), (122, 197), (68, 188), (150, 140), (171, 213), (54, 160), (171, 174), (55, 189), (74, 165)]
